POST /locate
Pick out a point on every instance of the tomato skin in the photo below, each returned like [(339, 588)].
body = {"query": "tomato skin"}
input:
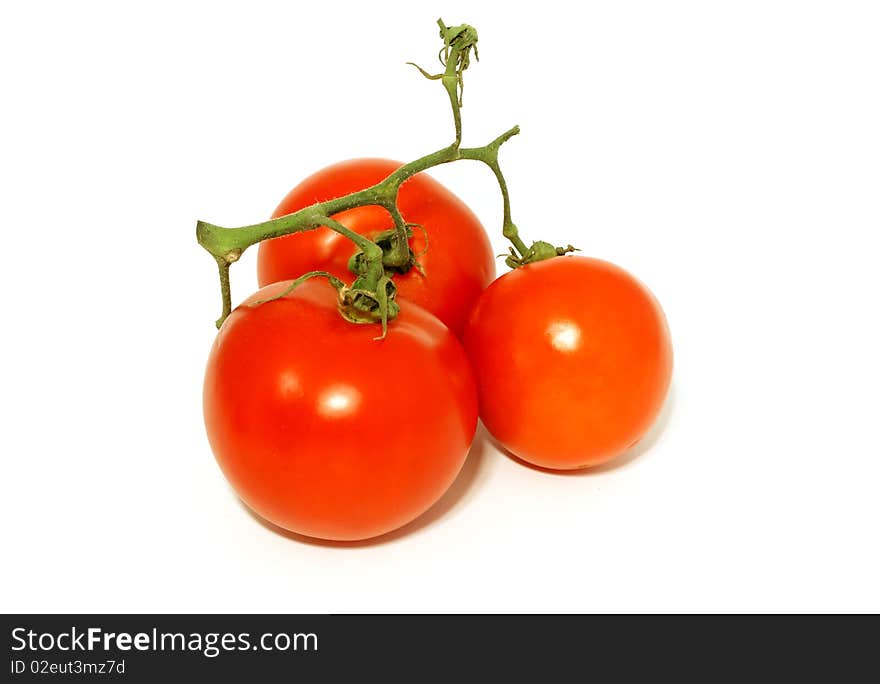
[(458, 263), (327, 432), (573, 361)]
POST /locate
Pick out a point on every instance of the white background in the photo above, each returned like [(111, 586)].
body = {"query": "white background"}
[(728, 154)]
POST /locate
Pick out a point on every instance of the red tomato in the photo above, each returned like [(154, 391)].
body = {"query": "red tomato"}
[(458, 264), (324, 430), (573, 361)]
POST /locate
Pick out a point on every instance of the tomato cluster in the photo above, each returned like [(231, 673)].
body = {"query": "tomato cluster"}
[(329, 432)]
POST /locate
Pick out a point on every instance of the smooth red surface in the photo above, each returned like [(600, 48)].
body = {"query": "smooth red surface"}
[(453, 276), (573, 361), (327, 432)]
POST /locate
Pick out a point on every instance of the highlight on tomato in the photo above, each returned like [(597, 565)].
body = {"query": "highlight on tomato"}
[(573, 361), (326, 431), (454, 258)]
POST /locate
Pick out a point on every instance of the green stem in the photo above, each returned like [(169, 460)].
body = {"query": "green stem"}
[(225, 291), (372, 255), (450, 82), (489, 156), (400, 256)]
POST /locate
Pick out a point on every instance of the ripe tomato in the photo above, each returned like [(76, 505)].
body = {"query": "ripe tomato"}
[(458, 262), (324, 430), (573, 361)]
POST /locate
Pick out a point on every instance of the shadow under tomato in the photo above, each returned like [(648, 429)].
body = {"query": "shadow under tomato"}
[(459, 491), (637, 450)]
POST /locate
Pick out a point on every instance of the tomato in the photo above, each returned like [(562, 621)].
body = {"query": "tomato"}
[(573, 361), (328, 432), (457, 261)]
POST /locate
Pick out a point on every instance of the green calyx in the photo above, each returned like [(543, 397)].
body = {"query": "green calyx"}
[(397, 256), (539, 251), (370, 306), (357, 304)]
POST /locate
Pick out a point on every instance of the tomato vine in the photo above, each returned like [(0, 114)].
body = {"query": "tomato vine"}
[(370, 298)]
